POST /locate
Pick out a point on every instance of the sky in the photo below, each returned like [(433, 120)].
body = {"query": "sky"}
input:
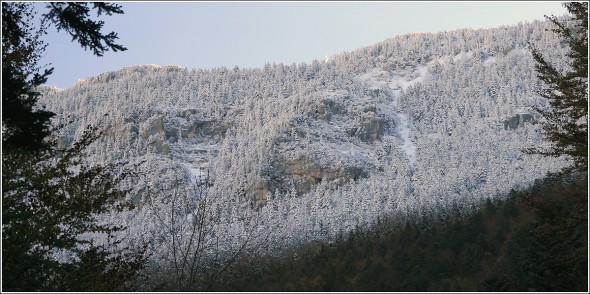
[(249, 34)]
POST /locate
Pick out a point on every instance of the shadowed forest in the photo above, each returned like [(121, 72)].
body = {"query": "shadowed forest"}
[(535, 240)]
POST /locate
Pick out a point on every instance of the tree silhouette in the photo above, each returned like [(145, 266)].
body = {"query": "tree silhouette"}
[(24, 126), (51, 198), (567, 91), (48, 203)]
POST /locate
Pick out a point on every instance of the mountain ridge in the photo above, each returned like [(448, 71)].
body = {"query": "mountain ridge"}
[(409, 125)]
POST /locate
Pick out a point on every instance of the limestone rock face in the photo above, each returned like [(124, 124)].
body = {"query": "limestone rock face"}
[(160, 133), (153, 126), (369, 129), (305, 173), (203, 127), (122, 131), (153, 131)]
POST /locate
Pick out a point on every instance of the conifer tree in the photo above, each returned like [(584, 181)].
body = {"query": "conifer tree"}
[(48, 202), (24, 126), (50, 198), (556, 258), (566, 90)]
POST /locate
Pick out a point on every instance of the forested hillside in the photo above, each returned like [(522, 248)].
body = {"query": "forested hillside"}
[(234, 160), (513, 245)]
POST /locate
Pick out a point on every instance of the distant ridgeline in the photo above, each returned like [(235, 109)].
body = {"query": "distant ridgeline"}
[(408, 126)]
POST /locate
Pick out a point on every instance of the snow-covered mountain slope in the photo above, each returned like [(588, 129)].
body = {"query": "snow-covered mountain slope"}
[(411, 125)]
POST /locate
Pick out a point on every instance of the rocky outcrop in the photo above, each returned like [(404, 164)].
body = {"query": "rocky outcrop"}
[(305, 173), (153, 126), (121, 131), (326, 108), (190, 125), (203, 127), (370, 128), (153, 131), (517, 121), (160, 133), (302, 174)]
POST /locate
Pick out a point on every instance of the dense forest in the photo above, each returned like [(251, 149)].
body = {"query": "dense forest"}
[(531, 240), (297, 152), (451, 161)]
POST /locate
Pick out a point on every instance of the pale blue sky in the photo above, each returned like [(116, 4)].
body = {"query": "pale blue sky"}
[(249, 34)]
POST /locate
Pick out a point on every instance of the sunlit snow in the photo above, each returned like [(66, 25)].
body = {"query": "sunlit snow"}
[(404, 127)]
